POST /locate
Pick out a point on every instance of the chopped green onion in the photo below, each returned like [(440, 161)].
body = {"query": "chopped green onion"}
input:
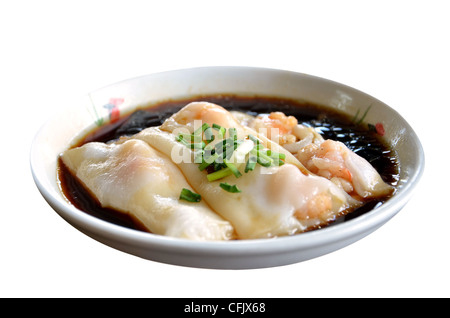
[(263, 159), (222, 173), (199, 130), (254, 139), (233, 133), (264, 162), (225, 156), (277, 162), (229, 187), (181, 139), (218, 147), (197, 145), (205, 126), (251, 163), (225, 148), (208, 134), (207, 161), (259, 147), (276, 155), (187, 137), (210, 157), (190, 196), (229, 151), (220, 129), (233, 168), (204, 165), (218, 162), (209, 148)]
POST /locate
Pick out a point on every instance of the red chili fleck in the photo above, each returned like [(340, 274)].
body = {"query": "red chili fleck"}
[(114, 115), (380, 129)]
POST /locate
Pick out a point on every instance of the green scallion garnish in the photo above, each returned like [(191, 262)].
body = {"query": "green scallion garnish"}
[(262, 158), (220, 129), (233, 168), (209, 134), (207, 161), (276, 155), (201, 129), (229, 187), (219, 174), (181, 139), (255, 140), (197, 145), (189, 196), (251, 163), (232, 132), (224, 157)]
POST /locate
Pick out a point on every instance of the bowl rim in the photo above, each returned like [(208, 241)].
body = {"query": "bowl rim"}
[(312, 239)]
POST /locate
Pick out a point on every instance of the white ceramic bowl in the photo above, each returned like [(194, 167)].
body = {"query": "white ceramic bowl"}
[(80, 117)]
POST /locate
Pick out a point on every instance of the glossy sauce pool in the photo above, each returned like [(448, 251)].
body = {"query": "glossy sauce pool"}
[(363, 139)]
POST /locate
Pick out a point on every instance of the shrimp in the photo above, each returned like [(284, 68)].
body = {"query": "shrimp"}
[(326, 160), (318, 207), (276, 126), (334, 161), (198, 113), (330, 159)]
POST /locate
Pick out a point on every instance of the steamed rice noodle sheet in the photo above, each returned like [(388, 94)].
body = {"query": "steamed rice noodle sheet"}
[(133, 178), (276, 199)]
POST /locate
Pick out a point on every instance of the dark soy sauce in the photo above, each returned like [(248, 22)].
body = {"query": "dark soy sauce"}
[(329, 123)]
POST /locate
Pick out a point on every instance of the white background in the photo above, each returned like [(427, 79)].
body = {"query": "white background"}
[(53, 51)]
